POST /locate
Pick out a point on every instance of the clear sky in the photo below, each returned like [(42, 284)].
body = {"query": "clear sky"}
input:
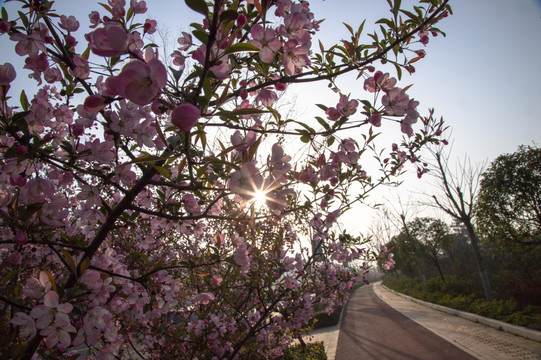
[(484, 78)]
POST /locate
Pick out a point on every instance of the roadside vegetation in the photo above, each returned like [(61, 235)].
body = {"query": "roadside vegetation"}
[(461, 294), (487, 260)]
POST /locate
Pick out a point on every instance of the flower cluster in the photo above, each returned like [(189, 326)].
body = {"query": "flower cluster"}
[(169, 202)]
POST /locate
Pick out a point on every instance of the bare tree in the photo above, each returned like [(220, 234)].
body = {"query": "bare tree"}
[(459, 192)]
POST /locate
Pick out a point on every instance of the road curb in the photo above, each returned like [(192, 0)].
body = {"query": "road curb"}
[(496, 324)]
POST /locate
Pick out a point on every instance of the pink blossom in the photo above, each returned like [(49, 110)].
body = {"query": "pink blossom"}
[(52, 75), (7, 74), (412, 115), (69, 24), (379, 81), (50, 310), (266, 97), (82, 69), (36, 288), (150, 26), (110, 40), (95, 103), (102, 151), (294, 57), (94, 18), (308, 175), (216, 280), (203, 298), (279, 163), (28, 326), (58, 332), (191, 205), (396, 102), (185, 41), (294, 26), (29, 45), (241, 255), (54, 212), (332, 113), (199, 54), (241, 20), (139, 82), (406, 128), (347, 107), (38, 64), (139, 7), (63, 114), (179, 59), (118, 10), (185, 116), (135, 43), (423, 37), (21, 238), (266, 41), (222, 70), (246, 180), (389, 263), (375, 119), (242, 143), (4, 26), (14, 258)]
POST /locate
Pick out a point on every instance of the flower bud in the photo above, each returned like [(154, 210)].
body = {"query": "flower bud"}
[(185, 116)]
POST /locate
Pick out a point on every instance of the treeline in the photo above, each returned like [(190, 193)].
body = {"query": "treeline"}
[(497, 229), (429, 248)]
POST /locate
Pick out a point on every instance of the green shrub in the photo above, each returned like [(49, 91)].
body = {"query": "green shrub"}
[(496, 309), (321, 319), (312, 351)]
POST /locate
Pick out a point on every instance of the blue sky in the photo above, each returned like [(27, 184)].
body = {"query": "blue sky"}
[(484, 78)]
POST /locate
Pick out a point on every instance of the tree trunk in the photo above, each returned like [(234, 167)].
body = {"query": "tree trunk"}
[(479, 260)]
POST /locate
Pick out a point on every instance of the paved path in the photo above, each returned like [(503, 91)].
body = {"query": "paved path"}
[(371, 329), (480, 341)]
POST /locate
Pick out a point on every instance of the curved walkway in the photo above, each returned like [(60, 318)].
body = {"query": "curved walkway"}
[(472, 340), (371, 329), (480, 341)]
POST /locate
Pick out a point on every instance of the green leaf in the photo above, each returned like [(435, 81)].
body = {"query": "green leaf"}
[(323, 122), (4, 14), (330, 140), (106, 7), (311, 130), (24, 101), (305, 139), (23, 18), (146, 158), (129, 15), (10, 274), (163, 171), (198, 6), (86, 53), (240, 47), (69, 260), (228, 15), (201, 36), (396, 7)]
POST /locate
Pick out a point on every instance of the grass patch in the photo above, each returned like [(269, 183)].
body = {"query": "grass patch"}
[(458, 294)]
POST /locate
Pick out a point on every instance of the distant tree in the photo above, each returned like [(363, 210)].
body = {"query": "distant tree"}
[(431, 238), (508, 207), (459, 191)]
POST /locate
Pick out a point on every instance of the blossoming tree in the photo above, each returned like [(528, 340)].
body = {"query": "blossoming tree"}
[(152, 211)]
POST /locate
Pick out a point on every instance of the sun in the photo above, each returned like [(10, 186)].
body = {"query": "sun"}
[(259, 199)]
